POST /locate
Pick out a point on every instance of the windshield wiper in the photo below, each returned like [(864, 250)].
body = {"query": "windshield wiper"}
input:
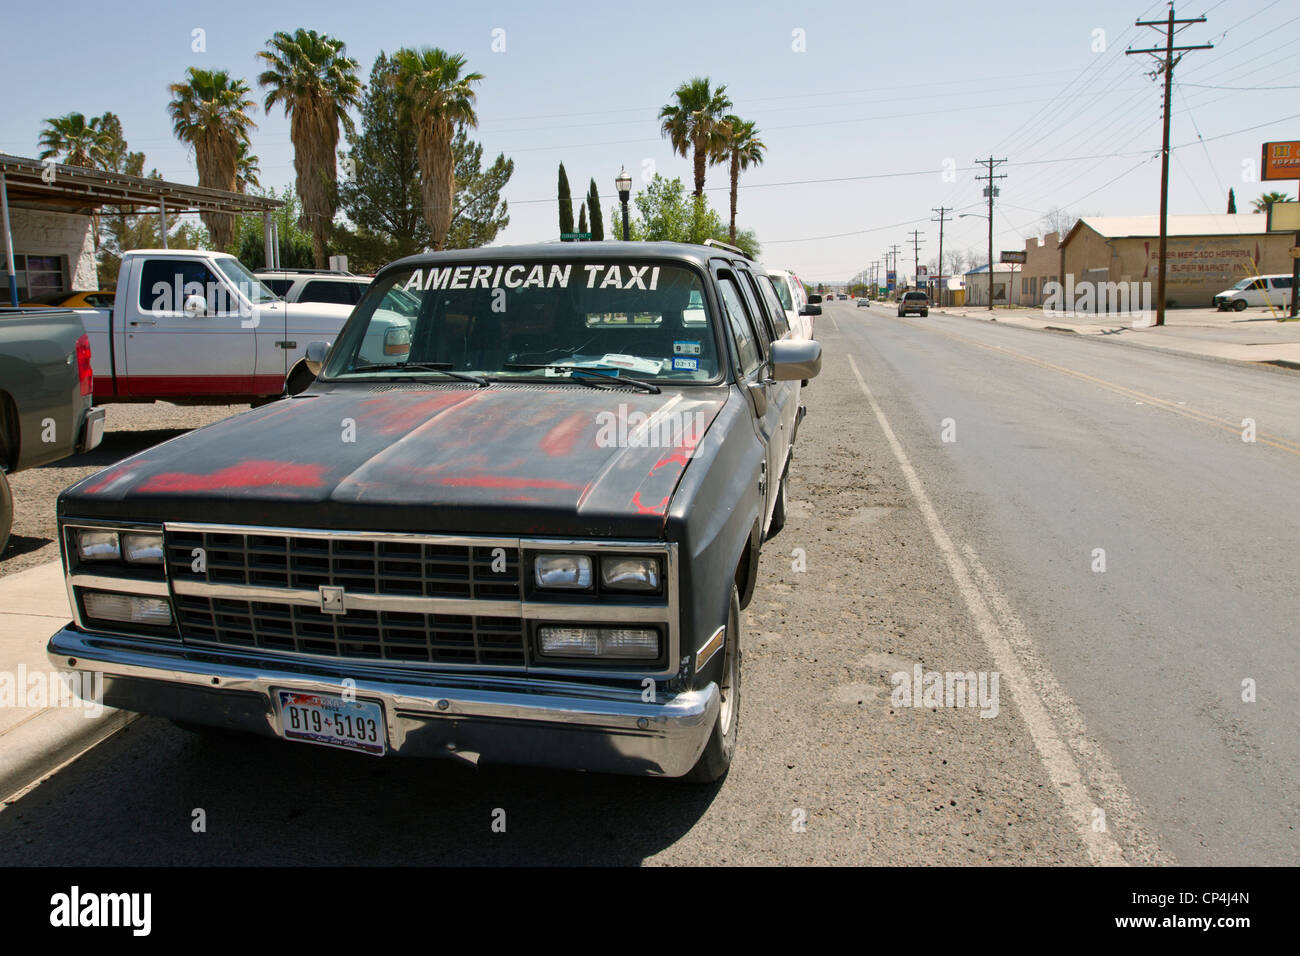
[(423, 367), (648, 386)]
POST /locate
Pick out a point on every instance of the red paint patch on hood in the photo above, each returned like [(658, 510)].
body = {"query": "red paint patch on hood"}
[(559, 441), (394, 413), (650, 509), (246, 474)]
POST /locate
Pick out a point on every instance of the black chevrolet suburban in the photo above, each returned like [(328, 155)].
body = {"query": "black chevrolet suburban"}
[(526, 535)]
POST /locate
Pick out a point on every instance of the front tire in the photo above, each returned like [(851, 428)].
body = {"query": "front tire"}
[(1239, 305), (715, 761), (6, 512)]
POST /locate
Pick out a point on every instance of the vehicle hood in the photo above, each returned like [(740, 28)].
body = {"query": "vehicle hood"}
[(515, 459)]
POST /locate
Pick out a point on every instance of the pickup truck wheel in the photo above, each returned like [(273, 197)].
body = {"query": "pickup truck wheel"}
[(715, 761), (6, 512)]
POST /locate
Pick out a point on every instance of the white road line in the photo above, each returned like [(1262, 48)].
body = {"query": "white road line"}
[(1055, 754), (831, 319)]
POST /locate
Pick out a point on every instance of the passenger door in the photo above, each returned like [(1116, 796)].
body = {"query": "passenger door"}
[(171, 352), (752, 371), (784, 394)]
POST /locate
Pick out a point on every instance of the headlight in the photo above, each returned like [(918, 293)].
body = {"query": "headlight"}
[(630, 573), (127, 608), (97, 546), (140, 548), (569, 571), (625, 643)]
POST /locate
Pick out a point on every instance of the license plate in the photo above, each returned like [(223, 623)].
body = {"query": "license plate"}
[(331, 721)]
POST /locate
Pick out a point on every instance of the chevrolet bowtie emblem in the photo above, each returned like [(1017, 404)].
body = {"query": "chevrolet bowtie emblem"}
[(331, 600)]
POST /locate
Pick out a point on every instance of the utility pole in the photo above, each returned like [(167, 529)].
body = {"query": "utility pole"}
[(916, 256), (894, 252), (1167, 64), (943, 213), (990, 190)]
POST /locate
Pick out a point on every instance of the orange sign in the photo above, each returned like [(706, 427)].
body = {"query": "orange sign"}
[(1280, 161)]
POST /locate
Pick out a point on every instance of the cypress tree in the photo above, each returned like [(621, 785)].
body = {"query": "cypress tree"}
[(1232, 201), (566, 203), (597, 221), (582, 218)]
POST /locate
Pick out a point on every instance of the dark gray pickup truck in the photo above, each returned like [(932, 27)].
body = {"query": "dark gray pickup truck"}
[(45, 395), (527, 535)]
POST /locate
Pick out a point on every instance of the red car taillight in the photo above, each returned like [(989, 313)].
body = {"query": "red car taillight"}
[(84, 373)]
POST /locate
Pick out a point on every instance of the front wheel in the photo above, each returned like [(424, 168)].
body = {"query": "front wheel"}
[(6, 512), (715, 761), (1239, 305)]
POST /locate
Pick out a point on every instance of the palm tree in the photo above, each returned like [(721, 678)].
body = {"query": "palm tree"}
[(80, 142), (317, 84), (438, 97), (247, 169), (694, 124), (1267, 199), (210, 112), (745, 149)]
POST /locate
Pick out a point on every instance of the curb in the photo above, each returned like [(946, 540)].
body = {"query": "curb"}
[(51, 738)]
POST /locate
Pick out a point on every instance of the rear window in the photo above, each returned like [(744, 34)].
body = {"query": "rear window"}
[(913, 296), (648, 320)]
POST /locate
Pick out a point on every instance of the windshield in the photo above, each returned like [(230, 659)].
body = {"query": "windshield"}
[(247, 283), (647, 321)]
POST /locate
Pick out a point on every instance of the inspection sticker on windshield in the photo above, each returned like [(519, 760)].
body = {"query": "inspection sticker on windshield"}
[(686, 348), (686, 363)]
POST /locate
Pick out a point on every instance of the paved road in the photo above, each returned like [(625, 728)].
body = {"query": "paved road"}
[(1120, 733), (1067, 445)]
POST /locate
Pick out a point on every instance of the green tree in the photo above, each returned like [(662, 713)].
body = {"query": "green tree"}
[(744, 149), (1267, 199), (310, 75), (380, 191), (668, 214), (437, 97), (593, 208), (1232, 201), (565, 199), (210, 113), (478, 212), (694, 124), (582, 219), (80, 142), (296, 245)]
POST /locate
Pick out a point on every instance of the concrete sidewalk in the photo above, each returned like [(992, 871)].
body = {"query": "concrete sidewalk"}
[(1251, 336), (41, 723)]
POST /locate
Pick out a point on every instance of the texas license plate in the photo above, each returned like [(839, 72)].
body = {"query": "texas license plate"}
[(332, 721)]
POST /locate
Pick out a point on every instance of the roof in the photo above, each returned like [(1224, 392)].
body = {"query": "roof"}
[(545, 251), (75, 187), (998, 267), (1226, 224)]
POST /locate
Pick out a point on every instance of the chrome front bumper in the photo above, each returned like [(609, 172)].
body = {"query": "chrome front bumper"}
[(499, 718)]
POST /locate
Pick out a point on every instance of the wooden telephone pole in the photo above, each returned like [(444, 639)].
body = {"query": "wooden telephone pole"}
[(1167, 63), (992, 191), (942, 211)]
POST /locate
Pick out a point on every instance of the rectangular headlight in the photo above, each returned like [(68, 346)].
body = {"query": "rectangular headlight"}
[(127, 608), (630, 573), (621, 643), (98, 546), (568, 571), (140, 548)]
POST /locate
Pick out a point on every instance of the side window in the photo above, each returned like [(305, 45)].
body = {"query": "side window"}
[(166, 283), (767, 332), (742, 327), (774, 306), (1283, 283), (342, 293), (278, 286)]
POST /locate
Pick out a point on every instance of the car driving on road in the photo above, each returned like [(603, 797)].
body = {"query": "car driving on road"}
[(917, 302)]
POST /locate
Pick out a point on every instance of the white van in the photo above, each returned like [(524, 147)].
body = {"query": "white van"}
[(1257, 291)]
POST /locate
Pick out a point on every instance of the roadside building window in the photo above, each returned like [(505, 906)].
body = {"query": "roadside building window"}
[(35, 275)]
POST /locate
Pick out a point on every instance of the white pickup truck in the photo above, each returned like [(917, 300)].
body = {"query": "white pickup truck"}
[(196, 327)]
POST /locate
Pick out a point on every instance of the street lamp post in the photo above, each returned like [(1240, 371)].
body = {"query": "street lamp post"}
[(624, 185)]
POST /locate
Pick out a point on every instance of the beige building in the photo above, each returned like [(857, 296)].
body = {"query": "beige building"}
[(1042, 265), (1206, 254)]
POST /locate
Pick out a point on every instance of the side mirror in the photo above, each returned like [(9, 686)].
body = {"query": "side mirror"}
[(317, 353), (814, 298), (811, 310), (794, 359), (196, 305)]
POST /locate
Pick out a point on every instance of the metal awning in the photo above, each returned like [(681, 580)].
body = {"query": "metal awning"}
[(54, 186)]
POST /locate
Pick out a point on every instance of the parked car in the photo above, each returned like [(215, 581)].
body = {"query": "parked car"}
[(99, 298), (196, 327), (1256, 291), (45, 396), (314, 285), (530, 539), (800, 307), (917, 302)]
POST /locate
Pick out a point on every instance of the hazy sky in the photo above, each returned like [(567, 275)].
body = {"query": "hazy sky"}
[(875, 121)]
